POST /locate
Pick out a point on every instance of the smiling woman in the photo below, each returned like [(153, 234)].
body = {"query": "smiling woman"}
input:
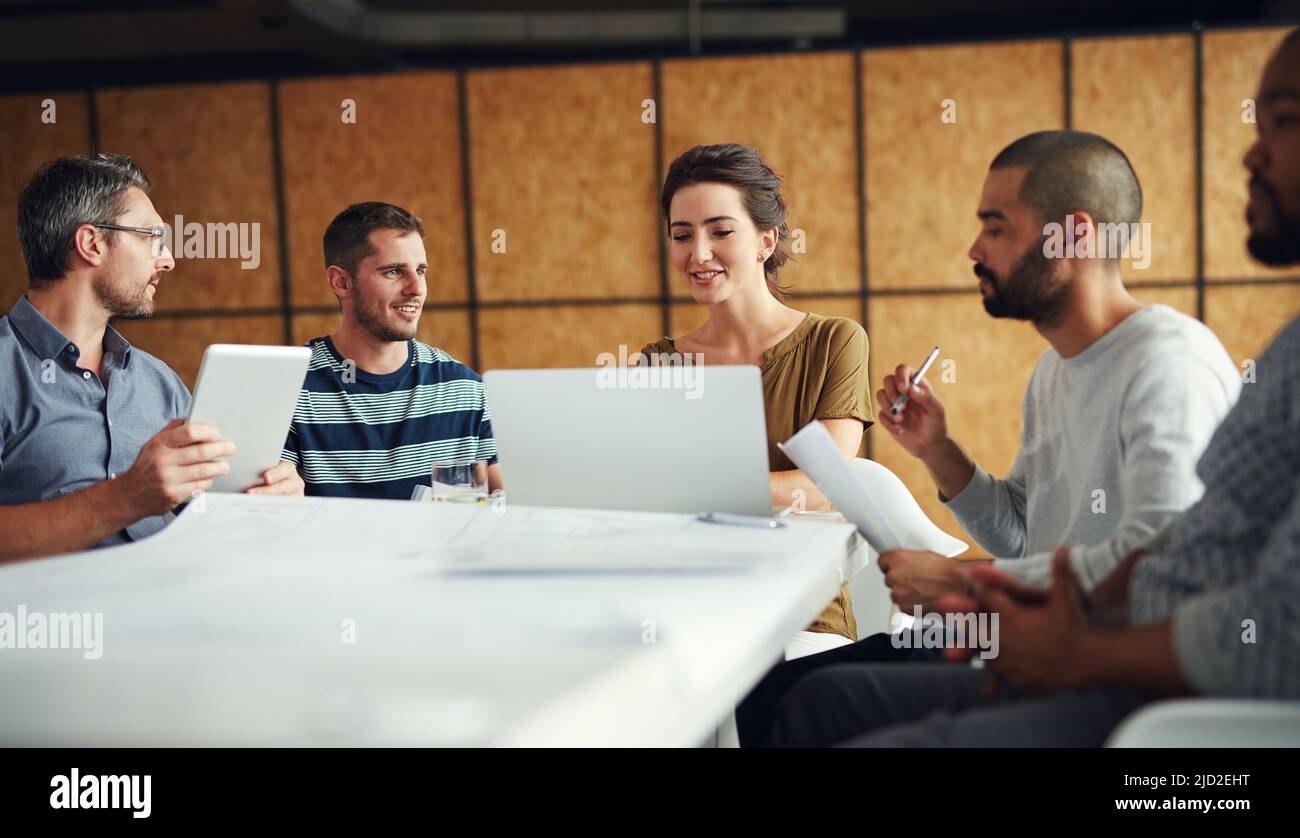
[(729, 237)]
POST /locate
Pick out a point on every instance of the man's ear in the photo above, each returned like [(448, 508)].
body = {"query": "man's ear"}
[(340, 282), (89, 246), (1085, 235)]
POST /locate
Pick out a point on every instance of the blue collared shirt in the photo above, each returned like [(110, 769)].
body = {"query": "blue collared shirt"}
[(62, 428)]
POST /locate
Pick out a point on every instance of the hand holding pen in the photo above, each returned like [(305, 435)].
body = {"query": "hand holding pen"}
[(910, 410), (901, 401)]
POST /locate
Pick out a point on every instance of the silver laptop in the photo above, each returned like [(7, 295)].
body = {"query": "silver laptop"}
[(657, 439)]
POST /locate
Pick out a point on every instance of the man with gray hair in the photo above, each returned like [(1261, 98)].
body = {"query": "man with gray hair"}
[(94, 448)]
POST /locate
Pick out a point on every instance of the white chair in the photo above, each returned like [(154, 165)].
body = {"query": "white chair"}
[(1211, 723), (872, 607)]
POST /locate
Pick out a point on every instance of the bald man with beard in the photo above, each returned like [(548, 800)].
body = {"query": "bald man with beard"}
[(1074, 660)]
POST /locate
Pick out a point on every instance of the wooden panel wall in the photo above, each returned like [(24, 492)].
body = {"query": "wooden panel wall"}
[(1139, 93), (923, 175), (404, 148), (444, 328), (564, 181), (1232, 64), (25, 143), (798, 111), (208, 151), (687, 317), (180, 341), (1247, 317), (1179, 298), (565, 336), (563, 170)]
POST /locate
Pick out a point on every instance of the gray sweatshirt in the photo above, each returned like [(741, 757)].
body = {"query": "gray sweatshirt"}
[(1229, 571), (1108, 452)]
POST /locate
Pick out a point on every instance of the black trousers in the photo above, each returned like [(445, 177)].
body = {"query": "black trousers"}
[(757, 714), (918, 705)]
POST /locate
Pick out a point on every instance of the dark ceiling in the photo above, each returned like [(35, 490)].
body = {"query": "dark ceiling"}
[(107, 42)]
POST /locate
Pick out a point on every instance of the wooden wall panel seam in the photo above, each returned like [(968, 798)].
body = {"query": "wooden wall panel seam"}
[(1255, 280), (440, 305), (277, 172), (678, 300), (1198, 104), (860, 141), (471, 264), (665, 293), (216, 313), (1067, 82), (546, 302)]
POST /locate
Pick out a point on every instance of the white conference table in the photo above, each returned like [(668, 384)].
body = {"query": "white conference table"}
[(269, 621)]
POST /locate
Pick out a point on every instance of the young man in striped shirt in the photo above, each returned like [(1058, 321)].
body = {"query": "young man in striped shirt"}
[(379, 408)]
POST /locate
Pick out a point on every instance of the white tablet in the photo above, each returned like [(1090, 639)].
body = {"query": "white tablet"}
[(248, 394)]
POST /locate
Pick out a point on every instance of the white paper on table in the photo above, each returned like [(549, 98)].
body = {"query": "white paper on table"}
[(552, 539), (232, 534), (869, 495)]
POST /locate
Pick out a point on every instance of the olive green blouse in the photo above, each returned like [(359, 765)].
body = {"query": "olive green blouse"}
[(818, 371)]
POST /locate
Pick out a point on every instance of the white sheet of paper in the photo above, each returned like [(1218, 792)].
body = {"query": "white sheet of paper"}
[(234, 534), (869, 495)]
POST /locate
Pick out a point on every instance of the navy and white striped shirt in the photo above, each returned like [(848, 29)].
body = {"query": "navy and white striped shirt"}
[(357, 434)]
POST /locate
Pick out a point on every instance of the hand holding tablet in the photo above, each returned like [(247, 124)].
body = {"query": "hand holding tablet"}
[(173, 466)]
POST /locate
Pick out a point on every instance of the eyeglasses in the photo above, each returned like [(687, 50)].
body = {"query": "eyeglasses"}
[(158, 234)]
